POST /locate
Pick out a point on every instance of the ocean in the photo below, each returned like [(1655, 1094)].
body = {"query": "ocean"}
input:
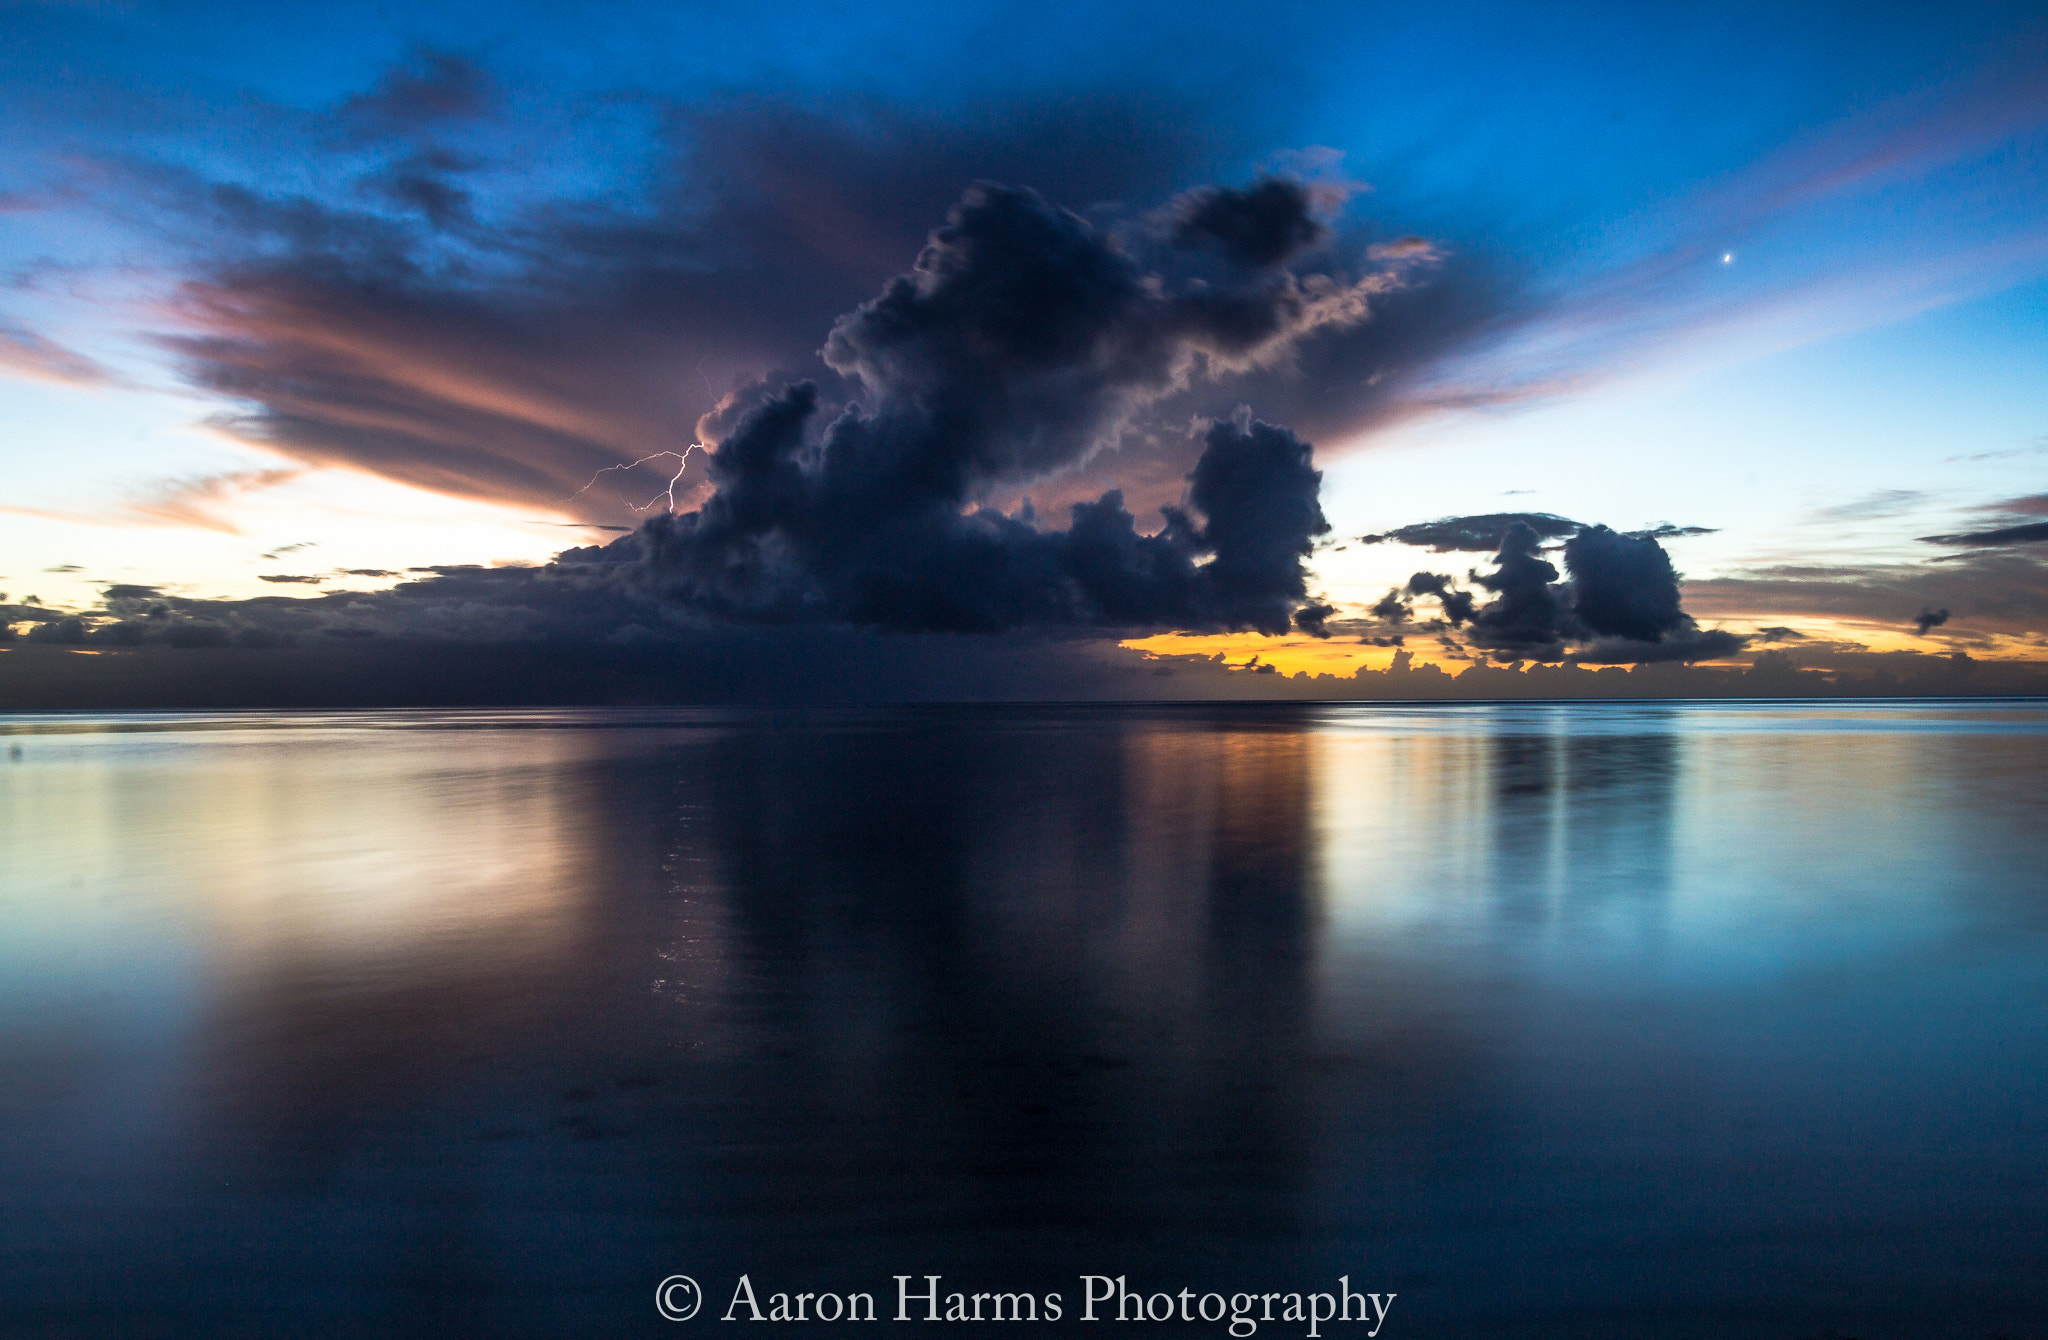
[(1593, 1020)]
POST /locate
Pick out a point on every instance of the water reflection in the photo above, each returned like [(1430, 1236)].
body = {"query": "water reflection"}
[(1542, 1016)]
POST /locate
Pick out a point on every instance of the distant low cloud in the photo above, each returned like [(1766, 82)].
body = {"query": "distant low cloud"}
[(2033, 532)]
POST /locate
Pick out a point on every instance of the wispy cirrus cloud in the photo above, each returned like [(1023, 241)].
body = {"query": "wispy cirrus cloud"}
[(199, 501)]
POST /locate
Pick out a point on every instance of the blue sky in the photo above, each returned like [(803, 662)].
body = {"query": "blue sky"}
[(1773, 271)]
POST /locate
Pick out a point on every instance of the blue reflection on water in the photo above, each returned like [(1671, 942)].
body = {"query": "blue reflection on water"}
[(1603, 1019)]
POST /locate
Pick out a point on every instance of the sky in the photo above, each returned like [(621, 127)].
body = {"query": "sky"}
[(1725, 329)]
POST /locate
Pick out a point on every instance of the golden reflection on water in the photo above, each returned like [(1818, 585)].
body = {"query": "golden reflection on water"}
[(271, 851)]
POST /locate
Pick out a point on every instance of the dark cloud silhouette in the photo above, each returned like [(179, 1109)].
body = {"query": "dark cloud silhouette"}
[(1020, 345), (1475, 534), (1623, 586), (1314, 618), (519, 353), (1458, 605), (1685, 644), (1620, 603), (1254, 228), (1928, 619), (869, 529), (1529, 613), (1390, 608), (2033, 532), (1483, 534)]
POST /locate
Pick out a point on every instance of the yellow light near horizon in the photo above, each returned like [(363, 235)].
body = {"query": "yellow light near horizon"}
[(1289, 654)]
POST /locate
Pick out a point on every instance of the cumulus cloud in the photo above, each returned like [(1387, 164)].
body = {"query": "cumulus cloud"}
[(424, 320), (1617, 602)]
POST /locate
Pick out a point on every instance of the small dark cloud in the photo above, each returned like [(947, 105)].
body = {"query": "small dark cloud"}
[(1475, 534), (429, 89), (1256, 228), (65, 567), (1779, 634), (283, 578), (1458, 605), (1929, 619), (2029, 533), (284, 549), (1314, 618), (1668, 531), (1390, 608), (368, 572)]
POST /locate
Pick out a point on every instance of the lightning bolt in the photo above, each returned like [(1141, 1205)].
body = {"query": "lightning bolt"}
[(681, 458)]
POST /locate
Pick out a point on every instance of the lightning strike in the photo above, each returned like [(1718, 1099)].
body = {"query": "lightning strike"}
[(682, 460)]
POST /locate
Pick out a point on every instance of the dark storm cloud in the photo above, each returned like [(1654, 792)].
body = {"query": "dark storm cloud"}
[(1020, 345), (872, 532), (1619, 603), (427, 322), (1529, 612), (1623, 586), (513, 361)]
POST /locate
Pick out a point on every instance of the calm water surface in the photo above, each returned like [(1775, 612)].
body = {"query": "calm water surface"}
[(1656, 1020)]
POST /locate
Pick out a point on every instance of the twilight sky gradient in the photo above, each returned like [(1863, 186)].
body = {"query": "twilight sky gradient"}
[(301, 301)]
